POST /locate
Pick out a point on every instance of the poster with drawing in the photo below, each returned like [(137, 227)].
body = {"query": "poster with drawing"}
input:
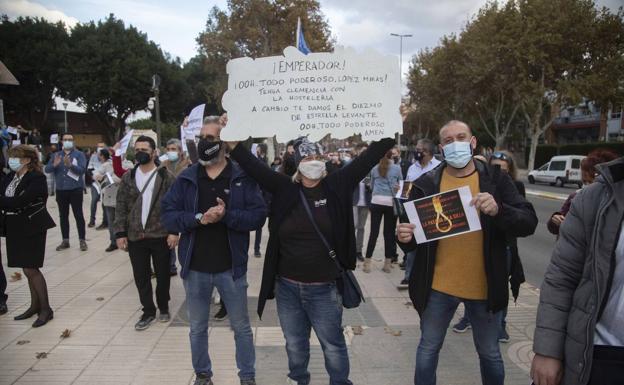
[(443, 215)]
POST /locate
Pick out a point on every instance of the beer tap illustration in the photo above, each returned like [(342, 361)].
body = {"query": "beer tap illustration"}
[(441, 218)]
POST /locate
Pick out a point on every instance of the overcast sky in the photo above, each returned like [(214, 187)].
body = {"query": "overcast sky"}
[(175, 25)]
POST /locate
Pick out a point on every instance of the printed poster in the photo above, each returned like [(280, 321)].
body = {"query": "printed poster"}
[(443, 215)]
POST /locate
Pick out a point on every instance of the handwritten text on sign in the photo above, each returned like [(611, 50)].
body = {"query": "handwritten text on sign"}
[(340, 93)]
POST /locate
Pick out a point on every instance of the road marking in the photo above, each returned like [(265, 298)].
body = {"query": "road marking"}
[(547, 195)]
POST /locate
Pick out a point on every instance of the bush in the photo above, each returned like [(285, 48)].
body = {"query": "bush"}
[(547, 151)]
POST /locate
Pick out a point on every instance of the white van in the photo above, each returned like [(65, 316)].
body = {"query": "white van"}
[(559, 171)]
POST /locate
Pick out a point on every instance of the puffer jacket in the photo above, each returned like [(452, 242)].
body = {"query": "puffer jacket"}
[(577, 282)]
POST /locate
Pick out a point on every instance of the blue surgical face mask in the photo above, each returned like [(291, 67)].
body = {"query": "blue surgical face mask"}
[(15, 164), (172, 156), (68, 144), (457, 154)]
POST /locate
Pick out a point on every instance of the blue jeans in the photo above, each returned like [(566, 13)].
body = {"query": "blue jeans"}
[(434, 324), (198, 287), (300, 308)]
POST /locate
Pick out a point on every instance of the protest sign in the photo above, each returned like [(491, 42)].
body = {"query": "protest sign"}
[(195, 122), (443, 215), (123, 144), (405, 188), (341, 93), (12, 130), (54, 138)]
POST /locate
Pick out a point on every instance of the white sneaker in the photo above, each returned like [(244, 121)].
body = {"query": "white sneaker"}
[(217, 297), (290, 381)]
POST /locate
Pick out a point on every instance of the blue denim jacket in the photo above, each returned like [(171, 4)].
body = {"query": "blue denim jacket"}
[(385, 186), (62, 180)]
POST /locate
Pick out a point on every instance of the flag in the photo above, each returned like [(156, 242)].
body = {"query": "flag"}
[(301, 44)]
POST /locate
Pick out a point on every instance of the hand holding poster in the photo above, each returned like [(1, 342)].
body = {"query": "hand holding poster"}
[(339, 93), (443, 215), (123, 144)]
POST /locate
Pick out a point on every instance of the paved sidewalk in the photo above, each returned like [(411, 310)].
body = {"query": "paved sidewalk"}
[(94, 297)]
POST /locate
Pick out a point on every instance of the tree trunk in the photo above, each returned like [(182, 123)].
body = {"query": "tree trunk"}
[(535, 135), (500, 141), (603, 135)]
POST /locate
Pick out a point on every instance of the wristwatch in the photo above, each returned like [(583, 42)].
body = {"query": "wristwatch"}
[(198, 218)]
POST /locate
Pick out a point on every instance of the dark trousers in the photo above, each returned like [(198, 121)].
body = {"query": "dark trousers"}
[(109, 217), (379, 212), (73, 198), (141, 253), (3, 283), (607, 366), (95, 198), (258, 240)]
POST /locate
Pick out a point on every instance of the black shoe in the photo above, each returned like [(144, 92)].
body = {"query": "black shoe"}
[(83, 245), (64, 245), (173, 273), (3, 308), (258, 254), (144, 322), (221, 314), (103, 226), (404, 284), (111, 247), (402, 265), (202, 379), (26, 315), (91, 224), (40, 322), (359, 257)]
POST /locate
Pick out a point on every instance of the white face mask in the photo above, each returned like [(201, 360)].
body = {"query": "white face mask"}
[(313, 169)]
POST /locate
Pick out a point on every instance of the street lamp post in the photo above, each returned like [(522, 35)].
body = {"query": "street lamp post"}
[(400, 36), (155, 88), (65, 113)]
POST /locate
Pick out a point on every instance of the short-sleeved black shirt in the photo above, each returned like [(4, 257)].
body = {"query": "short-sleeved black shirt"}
[(211, 250)]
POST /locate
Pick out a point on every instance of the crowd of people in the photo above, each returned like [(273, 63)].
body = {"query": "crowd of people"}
[(317, 205)]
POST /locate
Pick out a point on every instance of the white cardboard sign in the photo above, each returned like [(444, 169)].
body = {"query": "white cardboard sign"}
[(339, 93), (123, 144), (54, 139), (195, 122)]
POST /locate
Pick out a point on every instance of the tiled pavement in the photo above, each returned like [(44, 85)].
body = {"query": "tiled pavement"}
[(93, 296)]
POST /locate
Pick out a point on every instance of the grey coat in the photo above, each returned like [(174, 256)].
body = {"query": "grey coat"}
[(577, 282)]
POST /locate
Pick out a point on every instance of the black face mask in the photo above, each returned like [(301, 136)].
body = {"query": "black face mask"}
[(419, 155), (208, 150), (142, 157), (396, 159)]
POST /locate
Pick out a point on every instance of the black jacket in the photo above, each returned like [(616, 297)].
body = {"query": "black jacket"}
[(25, 213), (516, 218), (338, 188)]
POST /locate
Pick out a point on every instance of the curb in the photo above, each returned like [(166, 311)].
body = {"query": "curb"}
[(547, 195)]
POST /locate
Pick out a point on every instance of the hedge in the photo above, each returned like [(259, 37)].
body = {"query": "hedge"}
[(547, 151)]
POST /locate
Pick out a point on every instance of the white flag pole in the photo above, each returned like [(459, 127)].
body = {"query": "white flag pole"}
[(298, 32)]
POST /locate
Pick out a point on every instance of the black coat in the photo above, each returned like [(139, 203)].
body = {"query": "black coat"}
[(516, 218), (25, 213), (338, 188)]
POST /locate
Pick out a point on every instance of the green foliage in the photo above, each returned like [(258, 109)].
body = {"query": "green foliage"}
[(34, 51), (256, 28)]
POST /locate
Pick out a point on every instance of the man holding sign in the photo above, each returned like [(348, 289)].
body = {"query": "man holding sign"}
[(469, 267)]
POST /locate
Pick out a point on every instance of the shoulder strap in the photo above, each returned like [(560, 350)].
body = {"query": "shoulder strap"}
[(332, 253)]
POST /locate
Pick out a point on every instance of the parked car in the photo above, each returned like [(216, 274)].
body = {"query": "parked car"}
[(561, 170)]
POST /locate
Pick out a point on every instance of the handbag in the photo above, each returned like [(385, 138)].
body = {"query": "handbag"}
[(346, 283)]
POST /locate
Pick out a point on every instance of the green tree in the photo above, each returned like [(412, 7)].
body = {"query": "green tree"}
[(111, 70), (256, 28), (34, 50)]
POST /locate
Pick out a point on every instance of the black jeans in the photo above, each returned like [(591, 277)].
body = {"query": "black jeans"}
[(387, 213), (258, 240), (141, 253), (3, 283), (607, 366), (73, 198)]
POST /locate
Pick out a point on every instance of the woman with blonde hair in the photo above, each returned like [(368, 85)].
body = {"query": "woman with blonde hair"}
[(24, 221)]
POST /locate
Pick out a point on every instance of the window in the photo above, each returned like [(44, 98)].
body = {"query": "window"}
[(558, 165), (544, 167), (576, 163)]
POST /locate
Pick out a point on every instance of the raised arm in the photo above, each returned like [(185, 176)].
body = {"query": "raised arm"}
[(357, 170), (268, 179)]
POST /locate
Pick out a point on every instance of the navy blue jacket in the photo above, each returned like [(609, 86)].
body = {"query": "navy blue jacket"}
[(245, 211)]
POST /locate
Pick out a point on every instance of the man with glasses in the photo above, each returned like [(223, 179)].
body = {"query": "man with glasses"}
[(214, 205), (139, 231)]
